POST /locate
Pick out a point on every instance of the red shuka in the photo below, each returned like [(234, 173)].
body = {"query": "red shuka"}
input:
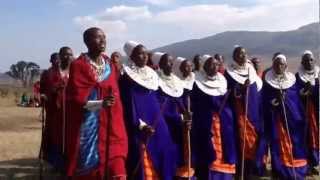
[(81, 82)]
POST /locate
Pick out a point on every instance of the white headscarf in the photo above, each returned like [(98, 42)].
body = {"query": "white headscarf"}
[(144, 76), (129, 47), (155, 58), (283, 81), (188, 81)]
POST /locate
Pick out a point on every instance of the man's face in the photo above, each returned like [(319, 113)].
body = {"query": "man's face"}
[(140, 56), (308, 62), (211, 66), (186, 68), (97, 41), (241, 56), (66, 56), (279, 66), (55, 61)]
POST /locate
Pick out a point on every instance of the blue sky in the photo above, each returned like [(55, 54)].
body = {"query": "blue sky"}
[(33, 29)]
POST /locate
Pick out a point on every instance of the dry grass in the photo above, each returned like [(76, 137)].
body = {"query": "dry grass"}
[(20, 135)]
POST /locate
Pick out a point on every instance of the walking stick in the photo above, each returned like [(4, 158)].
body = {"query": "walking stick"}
[(188, 118), (63, 120), (287, 128), (42, 141), (109, 115), (245, 129)]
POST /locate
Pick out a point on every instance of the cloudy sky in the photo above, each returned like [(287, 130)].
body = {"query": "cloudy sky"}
[(32, 29)]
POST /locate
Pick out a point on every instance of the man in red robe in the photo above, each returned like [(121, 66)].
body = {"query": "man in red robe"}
[(56, 81), (49, 145), (96, 137)]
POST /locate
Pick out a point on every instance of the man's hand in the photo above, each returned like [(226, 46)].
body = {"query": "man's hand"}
[(148, 131), (187, 124), (247, 83), (108, 101)]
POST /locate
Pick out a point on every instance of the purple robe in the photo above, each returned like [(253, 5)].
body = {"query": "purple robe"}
[(313, 153), (276, 131), (255, 165), (204, 107), (142, 103)]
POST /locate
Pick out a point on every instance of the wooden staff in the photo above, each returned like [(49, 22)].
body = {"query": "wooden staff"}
[(109, 115), (63, 120), (245, 129), (188, 118), (42, 140), (287, 128)]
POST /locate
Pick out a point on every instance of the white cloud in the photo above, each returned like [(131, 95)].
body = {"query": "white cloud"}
[(204, 19), (125, 13), (196, 21), (159, 2), (114, 20), (116, 26)]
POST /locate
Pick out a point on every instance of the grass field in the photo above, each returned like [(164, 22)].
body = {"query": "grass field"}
[(20, 135)]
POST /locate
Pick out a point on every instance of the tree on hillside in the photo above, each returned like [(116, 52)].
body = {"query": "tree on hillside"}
[(24, 71)]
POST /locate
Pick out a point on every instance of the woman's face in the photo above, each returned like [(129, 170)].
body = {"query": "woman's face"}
[(211, 66), (241, 56), (166, 64), (186, 68), (279, 66), (308, 62), (140, 56)]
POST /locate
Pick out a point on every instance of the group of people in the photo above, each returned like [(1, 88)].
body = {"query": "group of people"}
[(153, 116)]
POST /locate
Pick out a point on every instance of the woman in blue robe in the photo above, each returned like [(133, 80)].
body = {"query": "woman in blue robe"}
[(245, 86), (183, 69), (170, 98), (150, 146), (285, 124), (213, 126), (308, 86)]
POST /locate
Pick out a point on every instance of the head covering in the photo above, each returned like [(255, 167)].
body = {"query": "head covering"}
[(176, 64), (129, 47), (282, 57), (155, 58), (307, 52), (205, 57)]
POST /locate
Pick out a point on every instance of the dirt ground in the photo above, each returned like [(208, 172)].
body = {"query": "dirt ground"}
[(20, 135)]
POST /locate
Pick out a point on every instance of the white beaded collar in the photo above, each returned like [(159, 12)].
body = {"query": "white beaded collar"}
[(284, 81), (171, 85), (144, 76), (309, 76), (213, 86), (242, 73), (187, 82)]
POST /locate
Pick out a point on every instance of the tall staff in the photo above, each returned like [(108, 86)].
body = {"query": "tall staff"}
[(287, 128), (42, 139), (245, 126), (188, 119)]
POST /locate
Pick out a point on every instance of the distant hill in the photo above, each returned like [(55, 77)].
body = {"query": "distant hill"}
[(258, 43), (7, 80)]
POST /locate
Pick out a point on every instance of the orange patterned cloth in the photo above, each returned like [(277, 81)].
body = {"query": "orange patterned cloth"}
[(149, 171), (251, 136), (313, 128), (286, 153), (219, 164)]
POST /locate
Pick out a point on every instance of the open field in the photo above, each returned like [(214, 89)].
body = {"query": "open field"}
[(20, 135)]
